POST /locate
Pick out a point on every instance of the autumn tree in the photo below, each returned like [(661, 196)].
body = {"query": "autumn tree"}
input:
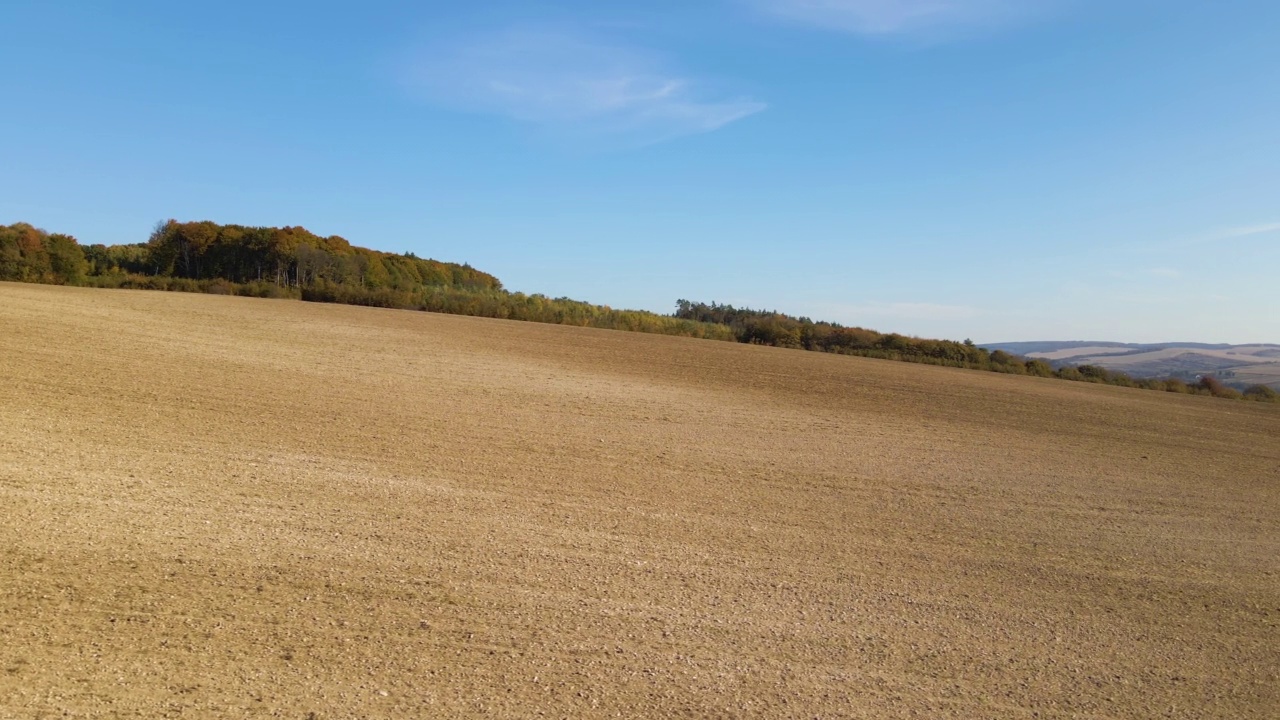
[(1216, 388)]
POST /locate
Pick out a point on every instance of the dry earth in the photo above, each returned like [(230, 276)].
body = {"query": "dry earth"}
[(224, 507)]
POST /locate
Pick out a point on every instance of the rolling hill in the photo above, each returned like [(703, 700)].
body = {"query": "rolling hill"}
[(220, 506), (1238, 365)]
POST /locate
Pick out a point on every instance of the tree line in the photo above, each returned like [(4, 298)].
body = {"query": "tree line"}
[(291, 262), (766, 327)]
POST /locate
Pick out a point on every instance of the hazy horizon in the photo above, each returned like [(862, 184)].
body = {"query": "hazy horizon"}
[(1121, 342)]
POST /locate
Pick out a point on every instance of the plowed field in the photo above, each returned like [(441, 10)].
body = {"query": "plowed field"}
[(228, 507)]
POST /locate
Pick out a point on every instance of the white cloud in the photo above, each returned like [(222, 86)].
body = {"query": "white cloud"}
[(569, 82), (1164, 272), (892, 17)]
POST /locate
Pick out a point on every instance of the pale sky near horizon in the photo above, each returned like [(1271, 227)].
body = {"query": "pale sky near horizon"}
[(994, 169)]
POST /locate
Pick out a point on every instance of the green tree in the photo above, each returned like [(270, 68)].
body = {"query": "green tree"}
[(162, 248), (66, 259), (10, 255)]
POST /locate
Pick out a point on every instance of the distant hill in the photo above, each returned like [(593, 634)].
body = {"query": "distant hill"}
[(1237, 365)]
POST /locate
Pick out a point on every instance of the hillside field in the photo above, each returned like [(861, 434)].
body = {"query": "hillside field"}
[(233, 507)]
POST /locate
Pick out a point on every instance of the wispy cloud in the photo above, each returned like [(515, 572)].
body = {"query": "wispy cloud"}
[(867, 312), (568, 81), (1241, 232), (1239, 235), (1131, 275), (920, 311), (1221, 236), (895, 17)]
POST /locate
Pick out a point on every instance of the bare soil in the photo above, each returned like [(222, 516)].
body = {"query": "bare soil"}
[(227, 507)]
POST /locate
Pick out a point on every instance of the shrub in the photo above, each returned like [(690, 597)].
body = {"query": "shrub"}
[(1070, 373), (1039, 368), (218, 286), (265, 289), (1261, 393), (1093, 373), (1215, 388)]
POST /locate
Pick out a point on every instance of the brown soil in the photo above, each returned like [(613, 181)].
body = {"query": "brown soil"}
[(230, 507)]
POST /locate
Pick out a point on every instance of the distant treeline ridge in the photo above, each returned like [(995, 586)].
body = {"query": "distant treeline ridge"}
[(780, 330), (292, 262)]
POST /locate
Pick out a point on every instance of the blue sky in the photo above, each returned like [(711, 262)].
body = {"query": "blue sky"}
[(1001, 170)]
